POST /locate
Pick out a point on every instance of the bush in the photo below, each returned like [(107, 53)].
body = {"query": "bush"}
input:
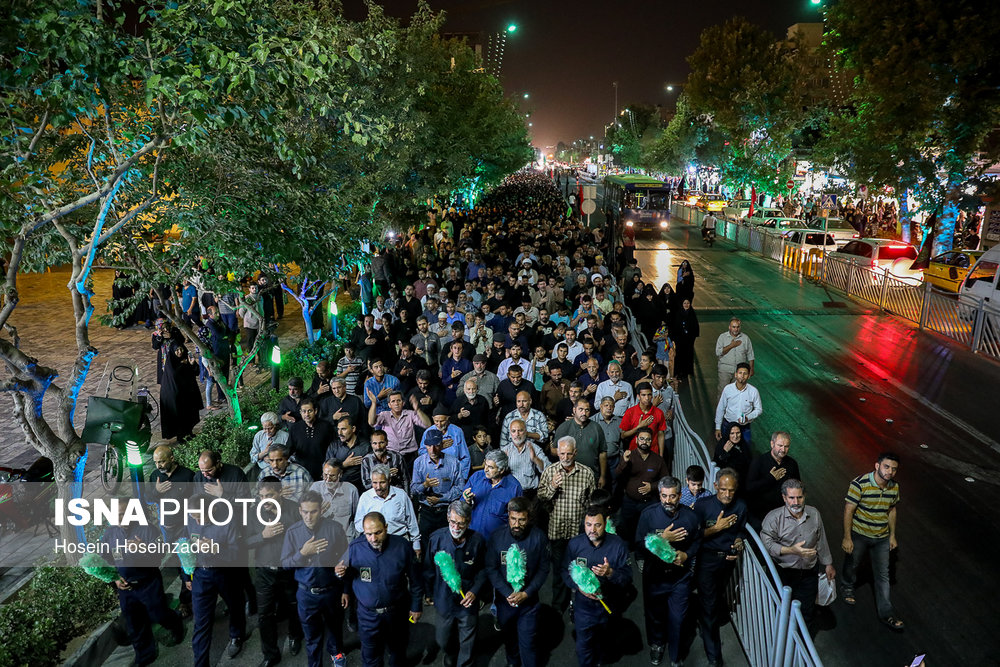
[(301, 360), (219, 433), (59, 604), (255, 401)]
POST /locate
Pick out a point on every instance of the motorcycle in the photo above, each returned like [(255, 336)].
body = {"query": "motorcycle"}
[(708, 236)]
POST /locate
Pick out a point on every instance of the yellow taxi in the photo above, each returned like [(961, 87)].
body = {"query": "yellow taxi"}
[(693, 197), (711, 202), (949, 269)]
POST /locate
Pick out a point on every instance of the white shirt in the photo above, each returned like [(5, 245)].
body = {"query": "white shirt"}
[(343, 504), (736, 405), (742, 353), (575, 350), (400, 518), (608, 388), (526, 366)]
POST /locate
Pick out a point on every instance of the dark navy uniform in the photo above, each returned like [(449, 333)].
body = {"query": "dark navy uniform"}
[(452, 618), (143, 602), (713, 570), (518, 623), (276, 587), (216, 575), (387, 587), (320, 590), (589, 616), (666, 587), (172, 526)]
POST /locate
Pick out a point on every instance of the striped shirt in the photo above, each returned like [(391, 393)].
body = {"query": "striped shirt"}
[(535, 422), (524, 470), (871, 518)]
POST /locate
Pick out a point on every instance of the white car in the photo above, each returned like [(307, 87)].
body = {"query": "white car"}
[(762, 215), (736, 210), (882, 255), (841, 229), (805, 239), (779, 224)]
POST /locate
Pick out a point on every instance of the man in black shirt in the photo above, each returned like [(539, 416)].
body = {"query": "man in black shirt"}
[(427, 392), (766, 474), (309, 437), (174, 481), (407, 366), (288, 407), (338, 404), (350, 450)]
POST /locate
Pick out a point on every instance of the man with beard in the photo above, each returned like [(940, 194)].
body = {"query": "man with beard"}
[(470, 409), (517, 610), (275, 586), (723, 518), (591, 448), (312, 548), (457, 616), (351, 450), (172, 480), (338, 404), (399, 475), (407, 366), (554, 390), (382, 576), (666, 587), (309, 438), (340, 499), (607, 557)]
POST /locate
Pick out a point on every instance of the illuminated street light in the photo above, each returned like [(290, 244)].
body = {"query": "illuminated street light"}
[(512, 27), (526, 96)]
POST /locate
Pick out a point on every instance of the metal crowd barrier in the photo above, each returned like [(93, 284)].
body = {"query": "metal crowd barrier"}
[(973, 323), (766, 620)]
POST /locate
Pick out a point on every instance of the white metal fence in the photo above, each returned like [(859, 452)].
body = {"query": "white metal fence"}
[(973, 323)]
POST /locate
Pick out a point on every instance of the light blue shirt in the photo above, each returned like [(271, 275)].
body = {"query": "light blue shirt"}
[(458, 448)]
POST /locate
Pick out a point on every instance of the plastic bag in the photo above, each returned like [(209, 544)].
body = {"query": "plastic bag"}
[(827, 591)]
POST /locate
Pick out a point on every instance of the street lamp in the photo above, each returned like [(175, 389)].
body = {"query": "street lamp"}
[(526, 96), (512, 28)]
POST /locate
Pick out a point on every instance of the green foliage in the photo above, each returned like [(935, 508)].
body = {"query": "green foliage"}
[(59, 604), (257, 400), (219, 433), (301, 360), (633, 134)]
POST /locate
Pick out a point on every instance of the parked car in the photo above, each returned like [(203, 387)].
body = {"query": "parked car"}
[(981, 283), (779, 224), (761, 215), (948, 270), (805, 239), (884, 255), (711, 202), (841, 229), (737, 209)]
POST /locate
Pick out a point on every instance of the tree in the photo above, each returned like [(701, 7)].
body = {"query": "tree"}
[(926, 98), (105, 119), (744, 88), (633, 133)]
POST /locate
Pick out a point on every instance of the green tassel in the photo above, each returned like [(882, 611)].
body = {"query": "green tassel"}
[(185, 556), (516, 567), (98, 568), (587, 582), (446, 566), (609, 527), (661, 548)]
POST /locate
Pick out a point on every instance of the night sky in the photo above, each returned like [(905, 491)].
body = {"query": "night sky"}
[(566, 54)]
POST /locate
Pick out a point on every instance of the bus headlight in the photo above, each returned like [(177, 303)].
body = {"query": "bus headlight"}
[(663, 224), (629, 223)]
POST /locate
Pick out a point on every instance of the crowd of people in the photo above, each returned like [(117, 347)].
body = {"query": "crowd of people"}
[(494, 428)]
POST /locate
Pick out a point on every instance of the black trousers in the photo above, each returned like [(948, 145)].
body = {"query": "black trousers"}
[(804, 585), (276, 590)]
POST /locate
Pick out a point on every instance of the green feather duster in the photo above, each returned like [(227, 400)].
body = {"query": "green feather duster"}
[(517, 568), (185, 556), (98, 568), (446, 566), (587, 581), (660, 548), (609, 527)]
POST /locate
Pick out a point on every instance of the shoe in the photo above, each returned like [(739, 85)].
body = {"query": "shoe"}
[(655, 654), (269, 662), (294, 645), (339, 660), (234, 648)]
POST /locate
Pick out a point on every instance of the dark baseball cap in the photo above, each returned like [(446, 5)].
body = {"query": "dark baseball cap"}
[(433, 437)]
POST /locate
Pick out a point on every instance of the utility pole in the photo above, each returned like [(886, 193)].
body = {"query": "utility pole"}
[(615, 114)]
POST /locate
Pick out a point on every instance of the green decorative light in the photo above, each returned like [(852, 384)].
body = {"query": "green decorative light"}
[(132, 454), (333, 306), (253, 427), (276, 355), (512, 27)]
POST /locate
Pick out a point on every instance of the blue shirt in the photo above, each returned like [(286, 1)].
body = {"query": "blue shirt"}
[(189, 294), (688, 498), (449, 473), (708, 510), (536, 559), (458, 448), (379, 578), (315, 571), (654, 519), (583, 551), (450, 382), (489, 510), (470, 561), (374, 386)]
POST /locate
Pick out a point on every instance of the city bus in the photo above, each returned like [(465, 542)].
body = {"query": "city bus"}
[(637, 201)]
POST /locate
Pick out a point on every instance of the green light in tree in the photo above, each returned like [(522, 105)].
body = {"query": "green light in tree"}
[(276, 355), (333, 307), (512, 27), (132, 453)]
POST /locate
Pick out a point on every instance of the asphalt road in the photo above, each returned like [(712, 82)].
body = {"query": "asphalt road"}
[(847, 383)]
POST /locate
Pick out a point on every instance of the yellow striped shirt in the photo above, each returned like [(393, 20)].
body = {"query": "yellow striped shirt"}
[(871, 518)]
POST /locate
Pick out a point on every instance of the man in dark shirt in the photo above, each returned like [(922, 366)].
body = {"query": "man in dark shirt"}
[(276, 588), (470, 409), (666, 587), (309, 439), (313, 547), (638, 471), (351, 450), (406, 368), (766, 474), (338, 404), (517, 610), (288, 407), (383, 577), (723, 518), (320, 385), (174, 481), (427, 392), (214, 476), (509, 388)]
